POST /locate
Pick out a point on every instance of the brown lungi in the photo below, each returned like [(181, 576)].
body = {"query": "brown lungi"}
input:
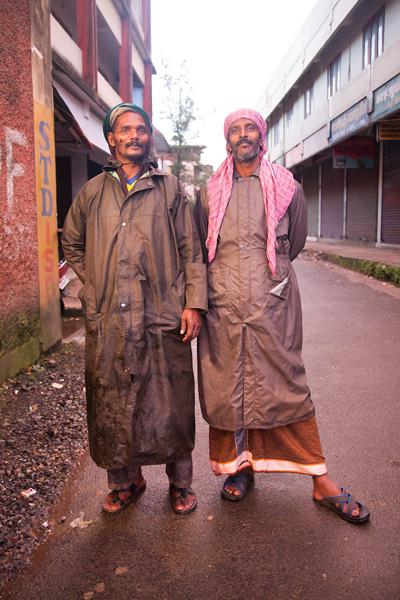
[(293, 448)]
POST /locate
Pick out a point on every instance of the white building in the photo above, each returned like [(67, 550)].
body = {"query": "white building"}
[(101, 52), (333, 111)]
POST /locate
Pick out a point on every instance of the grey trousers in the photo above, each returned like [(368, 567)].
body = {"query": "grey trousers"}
[(179, 474)]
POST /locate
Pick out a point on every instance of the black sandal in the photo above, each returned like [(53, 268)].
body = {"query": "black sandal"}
[(242, 481), (344, 505)]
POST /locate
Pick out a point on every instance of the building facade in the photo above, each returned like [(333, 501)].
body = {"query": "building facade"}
[(333, 115), (64, 64), (187, 166), (101, 55)]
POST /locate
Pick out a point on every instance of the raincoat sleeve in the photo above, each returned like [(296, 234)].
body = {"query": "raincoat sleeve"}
[(297, 212), (201, 220), (189, 249), (74, 237)]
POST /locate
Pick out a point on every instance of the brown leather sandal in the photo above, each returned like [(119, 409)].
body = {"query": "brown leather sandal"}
[(118, 500), (176, 494)]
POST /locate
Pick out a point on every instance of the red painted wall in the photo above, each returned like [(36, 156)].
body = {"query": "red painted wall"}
[(148, 94), (19, 292)]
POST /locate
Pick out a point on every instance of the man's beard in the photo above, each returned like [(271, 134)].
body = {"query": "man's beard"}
[(137, 160), (246, 156)]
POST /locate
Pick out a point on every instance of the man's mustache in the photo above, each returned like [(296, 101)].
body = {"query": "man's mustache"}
[(135, 145), (244, 140)]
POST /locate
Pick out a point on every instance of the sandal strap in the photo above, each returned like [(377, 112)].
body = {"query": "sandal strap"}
[(240, 481), (120, 491), (181, 492), (113, 498), (345, 502)]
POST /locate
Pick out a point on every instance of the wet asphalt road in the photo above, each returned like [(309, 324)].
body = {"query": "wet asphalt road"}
[(277, 543)]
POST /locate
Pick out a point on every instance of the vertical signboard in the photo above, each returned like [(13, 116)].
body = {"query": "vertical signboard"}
[(47, 225), (387, 98), (45, 169)]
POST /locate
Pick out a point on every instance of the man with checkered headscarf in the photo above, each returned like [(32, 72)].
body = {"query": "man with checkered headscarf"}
[(253, 390)]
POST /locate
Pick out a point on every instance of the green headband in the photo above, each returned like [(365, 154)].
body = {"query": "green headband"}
[(129, 107)]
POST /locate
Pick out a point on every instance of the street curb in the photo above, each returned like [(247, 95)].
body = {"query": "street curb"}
[(377, 270)]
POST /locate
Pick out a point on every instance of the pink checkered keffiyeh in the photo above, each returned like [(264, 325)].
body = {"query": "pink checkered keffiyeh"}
[(277, 184)]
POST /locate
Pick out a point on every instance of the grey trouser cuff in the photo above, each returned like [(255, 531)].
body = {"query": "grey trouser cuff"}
[(180, 474)]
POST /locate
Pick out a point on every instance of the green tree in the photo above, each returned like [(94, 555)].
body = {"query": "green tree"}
[(179, 110)]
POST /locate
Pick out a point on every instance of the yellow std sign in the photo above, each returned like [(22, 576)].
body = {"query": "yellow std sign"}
[(46, 199)]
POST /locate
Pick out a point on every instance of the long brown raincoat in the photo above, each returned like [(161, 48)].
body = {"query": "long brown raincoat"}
[(140, 260), (251, 373)]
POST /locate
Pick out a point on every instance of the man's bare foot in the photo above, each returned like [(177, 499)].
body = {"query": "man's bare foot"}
[(236, 486), (183, 500), (117, 500), (324, 487)]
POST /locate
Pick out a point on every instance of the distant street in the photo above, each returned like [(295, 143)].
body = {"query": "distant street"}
[(277, 543)]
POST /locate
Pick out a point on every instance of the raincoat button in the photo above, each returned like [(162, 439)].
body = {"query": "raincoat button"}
[(123, 224), (149, 183), (123, 304)]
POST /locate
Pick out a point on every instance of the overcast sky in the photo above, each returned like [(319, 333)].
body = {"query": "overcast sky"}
[(231, 47)]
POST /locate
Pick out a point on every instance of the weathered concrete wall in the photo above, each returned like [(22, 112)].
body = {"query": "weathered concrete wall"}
[(29, 301), (19, 292), (46, 196)]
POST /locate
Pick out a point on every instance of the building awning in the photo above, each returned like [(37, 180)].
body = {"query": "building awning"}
[(85, 125)]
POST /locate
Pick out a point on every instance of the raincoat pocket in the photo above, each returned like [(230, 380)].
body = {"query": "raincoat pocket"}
[(282, 259), (278, 302), (87, 296), (280, 290)]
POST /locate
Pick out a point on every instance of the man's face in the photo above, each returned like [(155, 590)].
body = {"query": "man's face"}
[(244, 139), (129, 138)]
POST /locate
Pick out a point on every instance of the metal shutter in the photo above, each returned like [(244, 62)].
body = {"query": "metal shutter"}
[(391, 193), (362, 204), (332, 201)]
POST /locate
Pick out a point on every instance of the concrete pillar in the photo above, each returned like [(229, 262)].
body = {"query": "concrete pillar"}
[(86, 15), (46, 195), (319, 199), (148, 68), (380, 195), (344, 230), (125, 61)]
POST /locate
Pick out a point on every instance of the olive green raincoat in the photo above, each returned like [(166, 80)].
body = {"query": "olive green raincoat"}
[(140, 260)]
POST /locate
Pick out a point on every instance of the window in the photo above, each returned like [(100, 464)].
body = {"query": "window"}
[(275, 134), (373, 38), (289, 121), (334, 77), (308, 101), (65, 13), (137, 11), (138, 90), (108, 52)]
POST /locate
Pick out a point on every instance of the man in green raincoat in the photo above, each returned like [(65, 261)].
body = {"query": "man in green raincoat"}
[(130, 237)]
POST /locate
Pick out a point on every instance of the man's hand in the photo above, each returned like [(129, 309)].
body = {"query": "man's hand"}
[(190, 324)]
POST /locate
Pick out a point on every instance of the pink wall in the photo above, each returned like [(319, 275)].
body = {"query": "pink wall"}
[(19, 292)]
